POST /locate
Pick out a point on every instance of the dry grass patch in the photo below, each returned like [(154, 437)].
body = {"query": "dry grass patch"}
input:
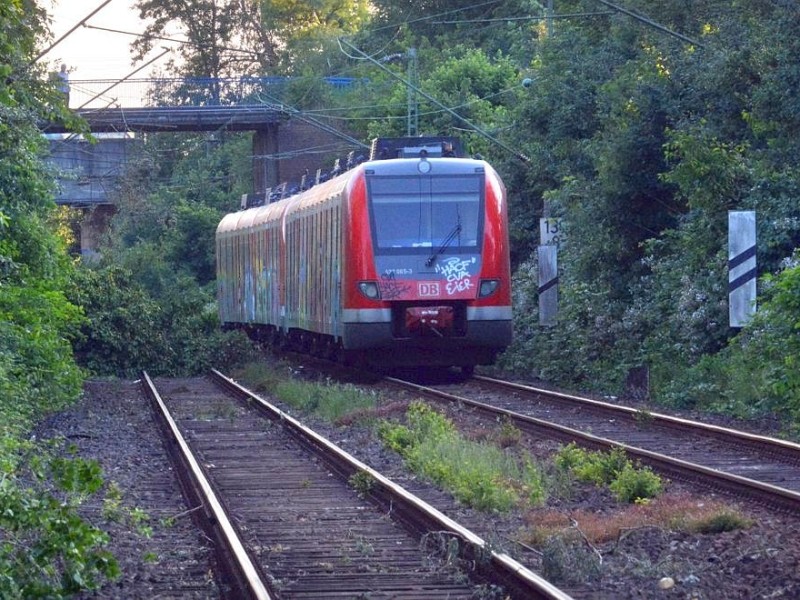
[(678, 512), (392, 409)]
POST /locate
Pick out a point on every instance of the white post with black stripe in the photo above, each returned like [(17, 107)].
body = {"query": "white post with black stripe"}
[(741, 266), (551, 237), (548, 285)]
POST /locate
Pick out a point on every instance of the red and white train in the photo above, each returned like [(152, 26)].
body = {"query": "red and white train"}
[(397, 262)]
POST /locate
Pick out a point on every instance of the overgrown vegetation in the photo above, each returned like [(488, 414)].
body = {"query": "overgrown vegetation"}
[(642, 143), (150, 298), (759, 372), (495, 476), (328, 400), (46, 549), (639, 140), (613, 469), (479, 475)]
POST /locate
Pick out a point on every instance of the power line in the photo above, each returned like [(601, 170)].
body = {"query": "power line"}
[(441, 14), (527, 18), (167, 39), (651, 23), (63, 37), (448, 110), (128, 76), (327, 111), (311, 121)]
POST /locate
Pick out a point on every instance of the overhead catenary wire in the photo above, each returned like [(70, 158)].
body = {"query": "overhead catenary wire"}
[(168, 39), (429, 17), (603, 13), (651, 23), (128, 76), (311, 121), (448, 110), (326, 111), (68, 33)]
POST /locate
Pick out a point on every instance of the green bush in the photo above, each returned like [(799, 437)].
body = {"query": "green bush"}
[(612, 469), (570, 457), (632, 484), (602, 467), (757, 373), (480, 475), (398, 438), (721, 522), (37, 370), (47, 550)]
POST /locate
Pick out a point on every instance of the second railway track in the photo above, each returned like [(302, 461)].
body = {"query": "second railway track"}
[(749, 465)]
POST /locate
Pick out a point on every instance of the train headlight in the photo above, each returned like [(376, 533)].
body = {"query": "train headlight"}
[(488, 287), (369, 289)]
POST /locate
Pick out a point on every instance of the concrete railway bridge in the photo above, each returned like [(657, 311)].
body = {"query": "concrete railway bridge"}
[(119, 113)]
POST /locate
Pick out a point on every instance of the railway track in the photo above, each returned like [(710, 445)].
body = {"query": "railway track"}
[(744, 464), (278, 503)]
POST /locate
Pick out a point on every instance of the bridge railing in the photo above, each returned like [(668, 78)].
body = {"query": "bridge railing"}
[(187, 91)]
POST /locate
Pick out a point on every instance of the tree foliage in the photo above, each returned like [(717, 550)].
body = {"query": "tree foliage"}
[(643, 128), (642, 142), (46, 549), (231, 38), (474, 86), (150, 319), (150, 299), (35, 358)]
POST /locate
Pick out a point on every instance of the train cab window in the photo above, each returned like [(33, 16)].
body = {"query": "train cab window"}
[(425, 212)]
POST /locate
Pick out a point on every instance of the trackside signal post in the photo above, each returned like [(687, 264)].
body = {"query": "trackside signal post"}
[(551, 237), (741, 267)]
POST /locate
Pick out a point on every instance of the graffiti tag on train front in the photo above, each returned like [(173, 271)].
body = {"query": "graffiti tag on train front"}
[(457, 274), (390, 288)]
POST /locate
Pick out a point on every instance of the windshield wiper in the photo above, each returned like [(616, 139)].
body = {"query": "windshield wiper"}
[(447, 241)]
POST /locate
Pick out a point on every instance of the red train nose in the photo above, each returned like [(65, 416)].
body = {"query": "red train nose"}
[(429, 320)]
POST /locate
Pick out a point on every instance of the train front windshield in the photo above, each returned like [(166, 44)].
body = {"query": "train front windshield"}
[(426, 212)]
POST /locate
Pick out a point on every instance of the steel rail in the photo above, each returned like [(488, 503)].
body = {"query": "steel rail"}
[(766, 493), (414, 512), (788, 448), (242, 572)]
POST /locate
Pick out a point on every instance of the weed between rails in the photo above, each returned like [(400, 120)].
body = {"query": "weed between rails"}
[(496, 475), (480, 475)]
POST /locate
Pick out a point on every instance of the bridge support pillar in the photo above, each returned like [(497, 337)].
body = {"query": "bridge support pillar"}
[(93, 226), (265, 166)]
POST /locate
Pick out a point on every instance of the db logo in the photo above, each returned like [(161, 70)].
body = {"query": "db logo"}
[(428, 288)]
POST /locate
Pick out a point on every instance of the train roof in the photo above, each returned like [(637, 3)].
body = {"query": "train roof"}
[(434, 166), (410, 147), (244, 219), (320, 192), (261, 215)]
